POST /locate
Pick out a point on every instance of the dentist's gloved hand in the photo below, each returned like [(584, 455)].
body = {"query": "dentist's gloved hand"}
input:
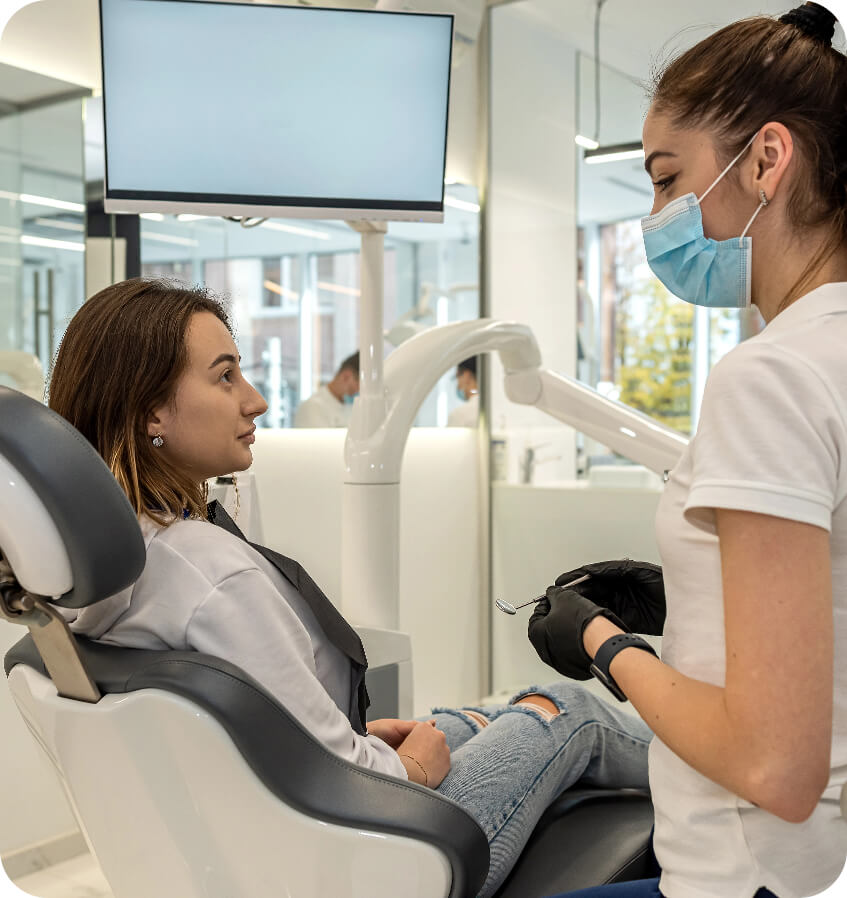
[(633, 590), (556, 626)]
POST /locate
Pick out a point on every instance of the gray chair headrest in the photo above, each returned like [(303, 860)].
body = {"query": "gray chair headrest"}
[(57, 496)]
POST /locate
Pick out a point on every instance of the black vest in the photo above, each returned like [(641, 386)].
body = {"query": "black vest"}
[(336, 629)]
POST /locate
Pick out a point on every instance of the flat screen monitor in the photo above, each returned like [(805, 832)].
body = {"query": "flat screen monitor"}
[(278, 111)]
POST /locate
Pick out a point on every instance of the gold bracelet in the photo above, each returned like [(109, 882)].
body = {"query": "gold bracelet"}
[(426, 778)]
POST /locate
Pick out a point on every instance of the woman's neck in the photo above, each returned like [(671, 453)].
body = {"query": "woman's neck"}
[(783, 278)]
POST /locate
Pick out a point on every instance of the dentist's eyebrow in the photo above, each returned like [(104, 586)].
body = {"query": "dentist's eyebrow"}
[(648, 162), (225, 357)]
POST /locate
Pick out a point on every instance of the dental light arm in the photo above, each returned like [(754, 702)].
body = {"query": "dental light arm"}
[(374, 455), (624, 430)]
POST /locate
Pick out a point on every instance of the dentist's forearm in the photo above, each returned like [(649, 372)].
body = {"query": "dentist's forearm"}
[(693, 720)]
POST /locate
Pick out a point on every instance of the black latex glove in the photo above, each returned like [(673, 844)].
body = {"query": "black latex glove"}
[(633, 590), (556, 626)]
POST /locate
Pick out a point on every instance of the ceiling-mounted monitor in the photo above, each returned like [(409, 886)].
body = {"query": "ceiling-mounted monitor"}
[(276, 111)]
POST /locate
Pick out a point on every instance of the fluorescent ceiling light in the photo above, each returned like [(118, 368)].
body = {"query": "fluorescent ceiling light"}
[(614, 153), (53, 244), (42, 201), (587, 143), (293, 229), (282, 291), (168, 238), (461, 204), (58, 223), (152, 216), (337, 288), (49, 201)]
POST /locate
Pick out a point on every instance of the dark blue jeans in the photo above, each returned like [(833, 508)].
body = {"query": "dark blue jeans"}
[(642, 888)]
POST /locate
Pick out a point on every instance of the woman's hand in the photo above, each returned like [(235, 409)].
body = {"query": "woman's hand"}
[(633, 590), (425, 755), (390, 730), (556, 630)]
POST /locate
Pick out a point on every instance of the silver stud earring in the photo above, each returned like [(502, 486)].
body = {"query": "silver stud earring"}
[(158, 441), (763, 197)]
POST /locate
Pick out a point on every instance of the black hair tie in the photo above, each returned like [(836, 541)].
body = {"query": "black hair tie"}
[(814, 20)]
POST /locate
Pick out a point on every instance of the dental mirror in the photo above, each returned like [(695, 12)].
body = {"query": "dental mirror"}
[(509, 608)]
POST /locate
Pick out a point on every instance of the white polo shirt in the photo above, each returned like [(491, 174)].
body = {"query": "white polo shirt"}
[(772, 439)]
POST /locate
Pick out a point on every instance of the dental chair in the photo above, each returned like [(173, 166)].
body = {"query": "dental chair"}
[(186, 778)]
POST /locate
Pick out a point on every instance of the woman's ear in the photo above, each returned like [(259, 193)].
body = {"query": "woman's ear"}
[(772, 152), (154, 425)]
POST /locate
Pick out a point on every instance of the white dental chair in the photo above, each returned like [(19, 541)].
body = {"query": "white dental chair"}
[(186, 777)]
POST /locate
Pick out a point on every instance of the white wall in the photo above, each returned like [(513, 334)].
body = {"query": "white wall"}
[(531, 210)]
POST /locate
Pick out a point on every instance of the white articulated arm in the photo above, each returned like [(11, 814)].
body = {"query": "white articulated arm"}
[(411, 371), (624, 430)]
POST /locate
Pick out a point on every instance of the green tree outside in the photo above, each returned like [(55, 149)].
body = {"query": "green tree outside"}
[(654, 338)]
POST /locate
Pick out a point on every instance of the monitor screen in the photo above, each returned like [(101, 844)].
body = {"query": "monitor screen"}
[(247, 109)]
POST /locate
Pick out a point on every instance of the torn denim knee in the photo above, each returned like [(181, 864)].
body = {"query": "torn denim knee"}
[(545, 693), (468, 719)]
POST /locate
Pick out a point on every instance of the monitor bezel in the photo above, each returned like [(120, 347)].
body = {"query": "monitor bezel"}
[(270, 206)]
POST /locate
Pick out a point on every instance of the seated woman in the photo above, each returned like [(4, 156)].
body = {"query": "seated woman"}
[(148, 371)]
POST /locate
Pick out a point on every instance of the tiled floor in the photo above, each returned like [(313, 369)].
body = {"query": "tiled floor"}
[(80, 877)]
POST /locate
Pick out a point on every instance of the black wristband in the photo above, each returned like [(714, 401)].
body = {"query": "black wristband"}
[(607, 651)]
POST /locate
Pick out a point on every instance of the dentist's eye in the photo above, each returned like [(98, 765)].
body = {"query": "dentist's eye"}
[(226, 377), (664, 183)]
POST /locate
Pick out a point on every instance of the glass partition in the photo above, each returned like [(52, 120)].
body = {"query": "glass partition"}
[(42, 227)]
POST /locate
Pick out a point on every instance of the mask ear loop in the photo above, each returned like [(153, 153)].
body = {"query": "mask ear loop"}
[(764, 202), (715, 182)]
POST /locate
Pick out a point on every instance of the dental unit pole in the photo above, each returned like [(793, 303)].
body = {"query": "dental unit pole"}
[(373, 455)]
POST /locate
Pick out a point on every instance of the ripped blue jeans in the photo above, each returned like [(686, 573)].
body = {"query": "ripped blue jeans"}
[(507, 773)]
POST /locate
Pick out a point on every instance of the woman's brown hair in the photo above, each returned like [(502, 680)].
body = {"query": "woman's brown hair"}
[(759, 70), (120, 359)]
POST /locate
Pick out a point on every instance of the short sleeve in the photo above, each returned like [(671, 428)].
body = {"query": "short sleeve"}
[(769, 440)]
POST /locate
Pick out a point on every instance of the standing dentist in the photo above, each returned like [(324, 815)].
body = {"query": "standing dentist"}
[(746, 145)]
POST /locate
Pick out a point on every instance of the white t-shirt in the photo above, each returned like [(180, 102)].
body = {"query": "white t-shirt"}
[(203, 589), (322, 409), (772, 439)]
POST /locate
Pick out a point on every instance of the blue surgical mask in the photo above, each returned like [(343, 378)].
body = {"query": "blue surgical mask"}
[(461, 394), (349, 400), (702, 271)]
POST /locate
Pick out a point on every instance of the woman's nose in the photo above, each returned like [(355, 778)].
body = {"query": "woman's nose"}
[(255, 404)]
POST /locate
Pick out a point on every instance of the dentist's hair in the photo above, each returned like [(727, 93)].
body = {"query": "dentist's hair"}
[(759, 70), (120, 359)]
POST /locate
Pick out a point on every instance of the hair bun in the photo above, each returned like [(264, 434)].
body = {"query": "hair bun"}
[(813, 20)]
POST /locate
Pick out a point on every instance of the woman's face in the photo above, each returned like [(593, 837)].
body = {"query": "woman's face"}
[(208, 427), (684, 161)]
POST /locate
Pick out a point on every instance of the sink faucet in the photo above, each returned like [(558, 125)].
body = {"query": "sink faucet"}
[(529, 461)]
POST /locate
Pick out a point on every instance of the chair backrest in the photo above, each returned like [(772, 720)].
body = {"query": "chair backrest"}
[(187, 777)]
